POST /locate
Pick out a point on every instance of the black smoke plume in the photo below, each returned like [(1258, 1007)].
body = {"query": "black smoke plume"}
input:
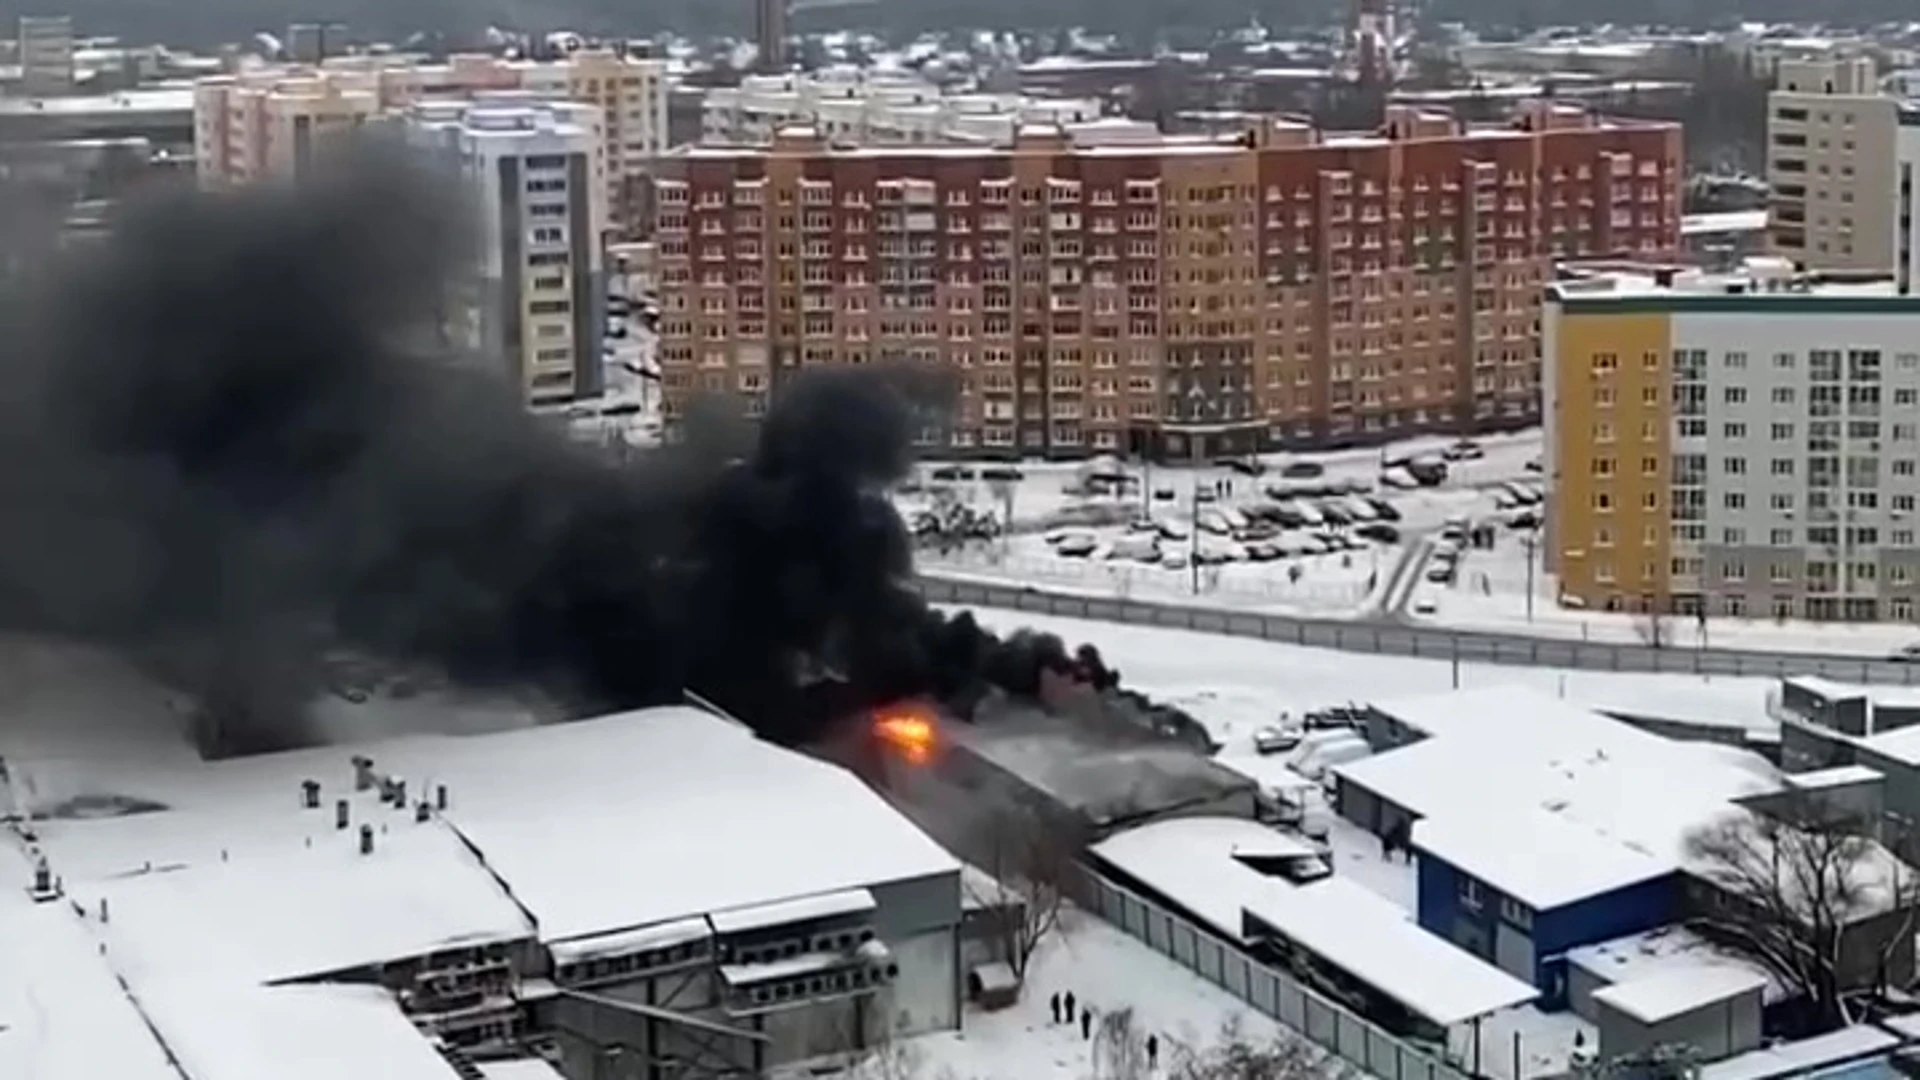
[(233, 445)]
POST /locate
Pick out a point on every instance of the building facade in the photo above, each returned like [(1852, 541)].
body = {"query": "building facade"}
[(1741, 444), (1188, 298), (237, 143), (536, 294), (868, 109), (46, 55), (1831, 137)]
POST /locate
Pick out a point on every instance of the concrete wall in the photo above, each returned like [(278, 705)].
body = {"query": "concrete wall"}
[(1716, 1031)]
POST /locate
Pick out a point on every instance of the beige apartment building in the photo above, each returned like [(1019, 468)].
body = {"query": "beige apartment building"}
[(250, 125), (1831, 161)]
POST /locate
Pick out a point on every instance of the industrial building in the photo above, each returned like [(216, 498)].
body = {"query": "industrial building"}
[(535, 294), (1535, 836), (644, 892), (1736, 444), (1191, 297)]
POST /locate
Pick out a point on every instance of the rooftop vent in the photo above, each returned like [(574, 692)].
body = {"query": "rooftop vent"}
[(366, 839), (310, 794)]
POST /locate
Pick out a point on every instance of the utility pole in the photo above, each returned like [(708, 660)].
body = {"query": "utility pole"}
[(1531, 541), (1193, 538)]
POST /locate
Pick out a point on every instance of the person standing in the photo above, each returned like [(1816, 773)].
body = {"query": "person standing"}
[(1153, 1052), (1068, 1002), (1086, 1025), (1054, 1004)]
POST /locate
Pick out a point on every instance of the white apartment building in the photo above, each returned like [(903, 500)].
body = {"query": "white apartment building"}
[(536, 296), (879, 110), (631, 95), (1831, 137)]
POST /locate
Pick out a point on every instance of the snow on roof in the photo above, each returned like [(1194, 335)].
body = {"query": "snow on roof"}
[(1535, 857), (1795, 1058), (264, 917), (1655, 999), (62, 1014), (228, 1032), (1723, 222), (1191, 862), (624, 942), (596, 826), (1669, 948), (762, 916), (1838, 776), (518, 1069), (1374, 940), (1492, 752)]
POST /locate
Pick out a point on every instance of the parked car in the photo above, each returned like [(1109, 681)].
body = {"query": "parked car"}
[(1384, 510), (1275, 740), (1906, 654), (1399, 478), (1464, 450), (1076, 547), (1001, 473), (1441, 573), (1533, 465), (1427, 471), (951, 473), (1247, 466), (1303, 470), (1379, 531), (1335, 513)]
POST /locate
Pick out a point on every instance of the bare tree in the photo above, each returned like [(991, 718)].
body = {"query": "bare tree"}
[(1795, 879), (1028, 869), (1235, 1055)]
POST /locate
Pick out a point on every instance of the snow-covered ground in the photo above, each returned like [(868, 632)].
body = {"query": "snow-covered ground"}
[(1303, 579), (1105, 969), (1490, 593)]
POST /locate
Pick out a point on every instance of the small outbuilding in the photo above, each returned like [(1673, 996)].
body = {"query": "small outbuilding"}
[(1714, 1010)]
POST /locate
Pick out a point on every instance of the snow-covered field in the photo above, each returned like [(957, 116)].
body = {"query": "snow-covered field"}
[(1490, 593)]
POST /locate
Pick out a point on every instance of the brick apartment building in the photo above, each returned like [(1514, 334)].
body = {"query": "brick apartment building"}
[(1290, 288)]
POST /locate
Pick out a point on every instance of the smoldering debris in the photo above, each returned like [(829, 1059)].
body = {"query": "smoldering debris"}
[(232, 445)]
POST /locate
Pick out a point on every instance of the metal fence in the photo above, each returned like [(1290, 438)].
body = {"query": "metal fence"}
[(1340, 1031), (1459, 646)]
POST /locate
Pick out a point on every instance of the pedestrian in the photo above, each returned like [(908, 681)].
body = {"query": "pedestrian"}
[(1068, 1002), (1086, 1025), (1153, 1051), (1054, 1004)]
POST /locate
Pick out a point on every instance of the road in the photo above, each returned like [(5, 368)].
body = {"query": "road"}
[(1384, 634)]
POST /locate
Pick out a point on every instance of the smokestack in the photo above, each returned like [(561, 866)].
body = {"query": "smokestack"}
[(423, 812), (341, 813), (366, 839), (440, 797), (310, 794), (363, 778)]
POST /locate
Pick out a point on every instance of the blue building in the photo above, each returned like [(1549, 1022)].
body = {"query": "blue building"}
[(1521, 890)]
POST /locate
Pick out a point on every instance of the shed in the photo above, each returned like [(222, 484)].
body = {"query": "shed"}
[(1715, 1010)]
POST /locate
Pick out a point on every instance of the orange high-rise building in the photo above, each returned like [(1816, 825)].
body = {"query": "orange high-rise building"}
[(1293, 288)]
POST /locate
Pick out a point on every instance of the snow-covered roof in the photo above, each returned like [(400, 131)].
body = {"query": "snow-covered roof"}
[(62, 1014), (623, 942), (302, 911), (1493, 752), (1669, 948), (1374, 939), (1837, 776), (595, 826), (1534, 856), (229, 1032), (1798, 1058), (1655, 999), (1191, 861)]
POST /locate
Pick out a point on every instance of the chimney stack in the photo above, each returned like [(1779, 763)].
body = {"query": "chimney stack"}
[(423, 812), (366, 839), (362, 773), (310, 794), (340, 812), (440, 797)]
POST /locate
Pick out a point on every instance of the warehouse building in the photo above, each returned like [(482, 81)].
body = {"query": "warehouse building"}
[(653, 890)]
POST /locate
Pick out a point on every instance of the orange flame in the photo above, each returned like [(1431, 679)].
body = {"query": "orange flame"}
[(908, 730)]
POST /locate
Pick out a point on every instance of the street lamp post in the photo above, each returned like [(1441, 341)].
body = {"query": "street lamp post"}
[(1530, 540)]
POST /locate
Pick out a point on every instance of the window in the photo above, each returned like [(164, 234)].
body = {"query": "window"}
[(1470, 893), (1735, 395), (1516, 913)]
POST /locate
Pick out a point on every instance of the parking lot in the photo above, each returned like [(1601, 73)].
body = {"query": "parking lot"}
[(1326, 534)]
